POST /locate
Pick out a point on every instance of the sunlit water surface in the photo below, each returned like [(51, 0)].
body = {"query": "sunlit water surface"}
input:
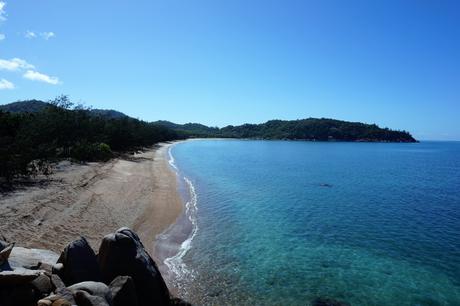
[(285, 223)]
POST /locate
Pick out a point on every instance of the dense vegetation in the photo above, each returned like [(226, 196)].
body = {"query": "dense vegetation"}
[(33, 106), (30, 140), (305, 129), (33, 133)]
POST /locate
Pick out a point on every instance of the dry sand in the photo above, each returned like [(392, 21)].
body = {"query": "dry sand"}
[(93, 200)]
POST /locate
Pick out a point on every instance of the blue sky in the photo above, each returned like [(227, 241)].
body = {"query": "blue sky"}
[(394, 63)]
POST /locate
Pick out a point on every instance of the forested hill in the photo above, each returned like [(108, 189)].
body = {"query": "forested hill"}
[(33, 134), (34, 106), (304, 129)]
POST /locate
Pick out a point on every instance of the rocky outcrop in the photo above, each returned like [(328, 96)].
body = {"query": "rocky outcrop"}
[(122, 273), (122, 253), (123, 291), (79, 263)]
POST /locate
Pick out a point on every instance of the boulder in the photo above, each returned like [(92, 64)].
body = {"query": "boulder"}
[(42, 284), (83, 298), (18, 276), (79, 263), (31, 258), (122, 253), (123, 291), (55, 300), (19, 294), (93, 289), (57, 282), (5, 251)]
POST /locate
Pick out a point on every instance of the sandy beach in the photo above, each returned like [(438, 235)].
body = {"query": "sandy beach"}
[(92, 200)]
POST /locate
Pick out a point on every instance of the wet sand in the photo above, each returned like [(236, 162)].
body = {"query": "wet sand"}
[(93, 200)]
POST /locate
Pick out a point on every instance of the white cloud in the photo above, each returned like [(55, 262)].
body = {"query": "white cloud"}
[(30, 34), (5, 84), (14, 64), (44, 35), (37, 76), (2, 36), (17, 64), (47, 35), (2, 11)]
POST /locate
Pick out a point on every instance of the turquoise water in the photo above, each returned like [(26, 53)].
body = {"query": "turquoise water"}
[(284, 223)]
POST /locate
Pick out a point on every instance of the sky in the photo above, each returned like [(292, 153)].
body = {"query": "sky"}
[(393, 63)]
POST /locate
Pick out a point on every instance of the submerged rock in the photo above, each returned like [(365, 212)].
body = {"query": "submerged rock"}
[(79, 263), (328, 302), (122, 253)]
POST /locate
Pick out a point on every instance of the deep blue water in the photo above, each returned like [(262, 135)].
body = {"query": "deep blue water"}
[(284, 223)]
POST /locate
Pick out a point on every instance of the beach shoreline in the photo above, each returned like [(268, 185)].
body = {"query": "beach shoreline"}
[(94, 199)]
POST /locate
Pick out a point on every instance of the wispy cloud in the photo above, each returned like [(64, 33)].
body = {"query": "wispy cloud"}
[(47, 35), (44, 35), (2, 11), (5, 84), (15, 64), (37, 76), (2, 36), (30, 34)]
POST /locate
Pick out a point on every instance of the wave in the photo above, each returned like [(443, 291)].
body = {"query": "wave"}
[(175, 263), (171, 160)]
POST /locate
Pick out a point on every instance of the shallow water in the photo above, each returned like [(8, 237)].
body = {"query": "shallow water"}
[(284, 223)]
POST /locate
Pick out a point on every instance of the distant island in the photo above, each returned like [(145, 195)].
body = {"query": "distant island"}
[(311, 129), (34, 133)]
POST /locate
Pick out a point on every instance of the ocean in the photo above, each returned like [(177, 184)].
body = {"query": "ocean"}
[(292, 222)]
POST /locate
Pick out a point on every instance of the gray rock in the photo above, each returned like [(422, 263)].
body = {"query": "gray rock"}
[(80, 263), (18, 276), (93, 288), (57, 282), (5, 251), (83, 298), (42, 284), (123, 291), (122, 253), (24, 257)]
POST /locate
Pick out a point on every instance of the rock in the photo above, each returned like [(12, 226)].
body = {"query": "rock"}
[(178, 302), (66, 295), (24, 257), (328, 302), (13, 295), (123, 291), (80, 263), (93, 288), (49, 300), (122, 253), (57, 282), (61, 302), (83, 298), (44, 303), (42, 284), (5, 251), (18, 276)]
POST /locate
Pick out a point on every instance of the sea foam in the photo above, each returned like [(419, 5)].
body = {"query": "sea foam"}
[(175, 263)]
